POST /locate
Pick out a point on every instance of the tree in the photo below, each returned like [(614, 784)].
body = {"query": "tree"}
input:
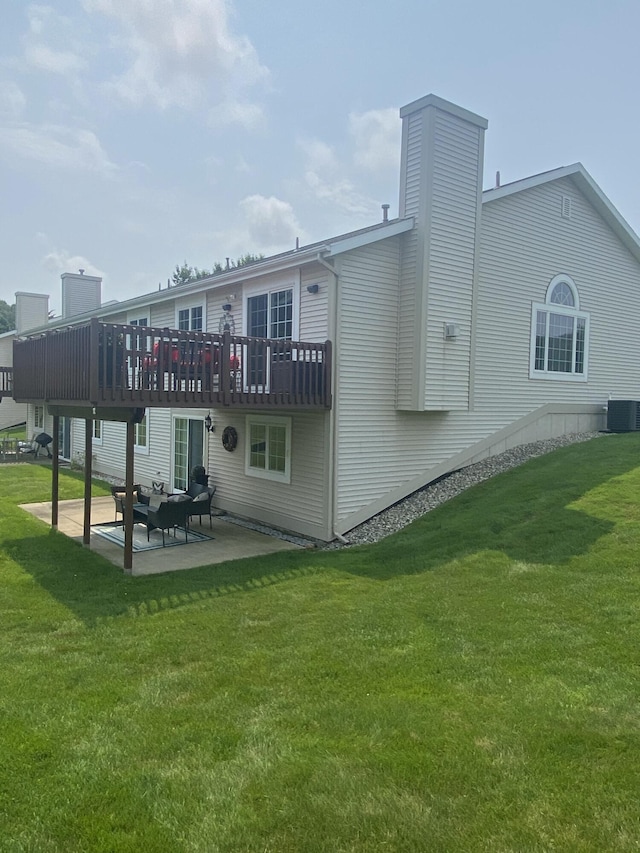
[(186, 273), (7, 317)]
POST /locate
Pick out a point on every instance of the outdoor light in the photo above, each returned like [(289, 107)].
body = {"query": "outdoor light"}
[(208, 423)]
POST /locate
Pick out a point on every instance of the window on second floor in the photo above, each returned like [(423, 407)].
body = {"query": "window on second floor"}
[(272, 312), (559, 334), (191, 319)]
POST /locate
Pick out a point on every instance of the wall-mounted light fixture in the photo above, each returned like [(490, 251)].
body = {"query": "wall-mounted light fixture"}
[(209, 423), (313, 288), (226, 307)]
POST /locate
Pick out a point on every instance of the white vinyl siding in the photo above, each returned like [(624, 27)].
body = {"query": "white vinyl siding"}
[(298, 505), (441, 180)]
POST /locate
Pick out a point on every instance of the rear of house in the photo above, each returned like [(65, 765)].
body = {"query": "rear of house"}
[(471, 323)]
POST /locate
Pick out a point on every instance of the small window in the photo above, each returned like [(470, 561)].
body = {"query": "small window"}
[(141, 321), (97, 432), (38, 417), (268, 449), (191, 319), (140, 436), (559, 334)]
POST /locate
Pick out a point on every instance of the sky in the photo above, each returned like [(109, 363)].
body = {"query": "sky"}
[(139, 134)]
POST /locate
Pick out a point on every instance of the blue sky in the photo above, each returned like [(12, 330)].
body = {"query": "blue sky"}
[(136, 134)]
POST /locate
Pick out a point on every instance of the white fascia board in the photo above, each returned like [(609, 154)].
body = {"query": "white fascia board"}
[(533, 181), (359, 240), (585, 183), (445, 106), (8, 334)]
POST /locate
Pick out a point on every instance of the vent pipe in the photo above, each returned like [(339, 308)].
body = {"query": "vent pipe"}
[(385, 212)]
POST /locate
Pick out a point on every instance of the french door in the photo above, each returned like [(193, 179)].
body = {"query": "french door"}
[(188, 449)]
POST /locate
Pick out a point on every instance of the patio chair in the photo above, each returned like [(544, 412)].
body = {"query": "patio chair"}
[(119, 497), (170, 513), (201, 503)]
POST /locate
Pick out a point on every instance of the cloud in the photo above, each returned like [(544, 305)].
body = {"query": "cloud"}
[(376, 135), (270, 222), (61, 260), (183, 53), (325, 176), (56, 146), (46, 25), (12, 100), (57, 62)]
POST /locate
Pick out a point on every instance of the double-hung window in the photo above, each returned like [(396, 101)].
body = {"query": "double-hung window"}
[(559, 334), (190, 319), (268, 450), (141, 436)]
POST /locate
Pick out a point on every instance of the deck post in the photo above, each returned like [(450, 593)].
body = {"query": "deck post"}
[(55, 472), (128, 504), (88, 453)]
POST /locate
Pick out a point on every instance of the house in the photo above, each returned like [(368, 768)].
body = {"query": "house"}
[(31, 310), (341, 376)]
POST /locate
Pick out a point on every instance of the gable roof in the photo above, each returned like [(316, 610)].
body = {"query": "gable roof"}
[(588, 187)]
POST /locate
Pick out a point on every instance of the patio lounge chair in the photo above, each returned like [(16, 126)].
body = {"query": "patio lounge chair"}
[(201, 503), (170, 513)]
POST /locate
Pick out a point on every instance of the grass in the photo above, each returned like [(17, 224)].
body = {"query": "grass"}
[(19, 432), (469, 684)]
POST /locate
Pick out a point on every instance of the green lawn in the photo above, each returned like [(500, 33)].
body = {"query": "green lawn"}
[(470, 684)]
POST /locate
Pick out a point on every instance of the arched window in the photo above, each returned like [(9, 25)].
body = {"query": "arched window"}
[(559, 333)]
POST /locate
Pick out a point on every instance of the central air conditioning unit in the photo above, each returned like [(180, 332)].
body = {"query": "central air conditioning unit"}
[(623, 415)]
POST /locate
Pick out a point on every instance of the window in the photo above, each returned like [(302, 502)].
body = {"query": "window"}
[(38, 417), (97, 431), (190, 319), (140, 436), (268, 449), (272, 312), (142, 321), (559, 334)]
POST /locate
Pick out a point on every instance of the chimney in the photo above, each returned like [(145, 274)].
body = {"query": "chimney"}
[(80, 293), (32, 311), (441, 187)]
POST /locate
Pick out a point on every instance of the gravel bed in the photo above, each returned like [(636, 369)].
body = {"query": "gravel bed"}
[(424, 500)]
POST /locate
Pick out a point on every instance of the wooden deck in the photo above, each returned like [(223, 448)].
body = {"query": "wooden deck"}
[(110, 366)]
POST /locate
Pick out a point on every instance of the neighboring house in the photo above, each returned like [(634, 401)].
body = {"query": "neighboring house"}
[(471, 323)]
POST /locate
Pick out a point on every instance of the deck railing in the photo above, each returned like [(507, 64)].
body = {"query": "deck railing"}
[(105, 364), (6, 382)]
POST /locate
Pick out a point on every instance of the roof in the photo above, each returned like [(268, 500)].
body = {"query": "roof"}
[(585, 183), (274, 263)]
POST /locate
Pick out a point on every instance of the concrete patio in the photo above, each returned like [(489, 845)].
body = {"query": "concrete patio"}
[(230, 542)]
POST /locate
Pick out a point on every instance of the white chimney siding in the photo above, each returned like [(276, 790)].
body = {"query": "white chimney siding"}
[(441, 186)]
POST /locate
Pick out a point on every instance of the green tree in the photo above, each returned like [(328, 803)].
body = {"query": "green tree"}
[(7, 317), (186, 273)]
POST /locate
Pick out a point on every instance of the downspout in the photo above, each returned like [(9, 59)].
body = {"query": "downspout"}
[(333, 334)]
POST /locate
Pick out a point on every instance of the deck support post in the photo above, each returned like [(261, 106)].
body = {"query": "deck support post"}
[(128, 504), (88, 454), (55, 472)]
